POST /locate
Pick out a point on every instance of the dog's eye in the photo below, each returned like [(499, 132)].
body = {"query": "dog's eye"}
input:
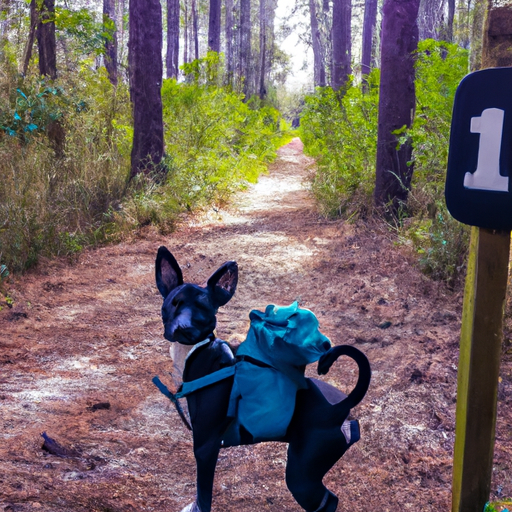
[(176, 302)]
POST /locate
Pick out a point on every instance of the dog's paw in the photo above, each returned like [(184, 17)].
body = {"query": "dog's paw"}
[(192, 508)]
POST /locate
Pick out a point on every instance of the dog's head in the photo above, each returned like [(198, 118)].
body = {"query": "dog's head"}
[(189, 310)]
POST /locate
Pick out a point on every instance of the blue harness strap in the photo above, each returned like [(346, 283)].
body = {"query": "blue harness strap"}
[(163, 389), (207, 380)]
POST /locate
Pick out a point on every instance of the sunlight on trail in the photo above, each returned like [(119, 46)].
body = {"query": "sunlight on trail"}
[(271, 193)]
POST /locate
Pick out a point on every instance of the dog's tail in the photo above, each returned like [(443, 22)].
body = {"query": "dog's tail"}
[(365, 372)]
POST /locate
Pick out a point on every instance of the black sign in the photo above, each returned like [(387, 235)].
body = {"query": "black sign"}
[(478, 188)]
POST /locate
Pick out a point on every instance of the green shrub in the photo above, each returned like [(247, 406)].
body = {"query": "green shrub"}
[(440, 241), (54, 202), (214, 141), (65, 158), (342, 136)]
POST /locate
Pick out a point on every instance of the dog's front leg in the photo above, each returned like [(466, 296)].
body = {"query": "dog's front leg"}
[(206, 460)]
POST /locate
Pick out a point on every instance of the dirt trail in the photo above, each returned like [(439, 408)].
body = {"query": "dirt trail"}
[(90, 333)]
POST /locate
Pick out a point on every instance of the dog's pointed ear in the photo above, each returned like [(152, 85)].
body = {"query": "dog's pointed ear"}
[(222, 283), (167, 272)]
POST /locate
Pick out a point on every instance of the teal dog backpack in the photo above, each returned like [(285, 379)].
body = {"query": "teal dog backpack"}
[(270, 370)]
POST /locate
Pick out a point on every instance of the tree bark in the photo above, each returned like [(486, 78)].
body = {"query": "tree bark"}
[(214, 26), (145, 60), (185, 31), (173, 38), (318, 60), (396, 103), (46, 42), (477, 29), (263, 49), (449, 22), (245, 46), (195, 29), (109, 10), (430, 19), (29, 45), (369, 23), (229, 42), (341, 42), (497, 38), (121, 36)]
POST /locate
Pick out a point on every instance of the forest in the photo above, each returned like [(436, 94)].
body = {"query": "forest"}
[(128, 125), (120, 115)]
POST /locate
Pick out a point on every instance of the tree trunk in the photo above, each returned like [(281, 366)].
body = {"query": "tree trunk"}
[(46, 43), (464, 23), (270, 17), (185, 31), (263, 49), (173, 38), (430, 19), (145, 59), (245, 46), (229, 42), (369, 22), (195, 29), (449, 22), (477, 29), (325, 27), (214, 26), (109, 10), (27, 53), (341, 42), (120, 16), (497, 43), (318, 61), (396, 103)]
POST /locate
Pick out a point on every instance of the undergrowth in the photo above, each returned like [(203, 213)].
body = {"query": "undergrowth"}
[(440, 241), (65, 159), (215, 144), (342, 136), (63, 164)]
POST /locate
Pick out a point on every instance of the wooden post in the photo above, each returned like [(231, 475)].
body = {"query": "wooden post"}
[(479, 363)]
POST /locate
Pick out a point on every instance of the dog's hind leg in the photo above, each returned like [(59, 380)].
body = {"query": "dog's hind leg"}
[(309, 459), (316, 443)]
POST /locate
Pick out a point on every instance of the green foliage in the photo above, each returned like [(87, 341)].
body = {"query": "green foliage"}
[(87, 35), (440, 67), (65, 152), (440, 241), (4, 274), (342, 136), (215, 142), (499, 506), (31, 107), (341, 133), (205, 71), (55, 202)]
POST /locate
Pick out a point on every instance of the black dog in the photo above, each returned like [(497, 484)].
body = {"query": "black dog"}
[(319, 433)]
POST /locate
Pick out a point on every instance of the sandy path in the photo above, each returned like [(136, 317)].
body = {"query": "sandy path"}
[(90, 332)]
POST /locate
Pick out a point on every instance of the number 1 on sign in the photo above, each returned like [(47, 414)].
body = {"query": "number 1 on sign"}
[(487, 175)]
